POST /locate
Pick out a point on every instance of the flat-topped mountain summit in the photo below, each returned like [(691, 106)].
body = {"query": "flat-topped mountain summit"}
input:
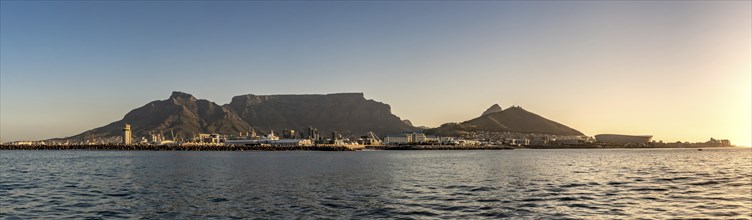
[(350, 114), (347, 113), (185, 116)]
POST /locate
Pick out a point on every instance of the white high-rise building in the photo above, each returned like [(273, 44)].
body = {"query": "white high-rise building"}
[(127, 137)]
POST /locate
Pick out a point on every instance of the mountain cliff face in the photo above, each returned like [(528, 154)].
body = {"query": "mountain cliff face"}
[(181, 114), (513, 119), (347, 113), (184, 115)]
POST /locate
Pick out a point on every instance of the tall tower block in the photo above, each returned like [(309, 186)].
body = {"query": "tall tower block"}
[(127, 137)]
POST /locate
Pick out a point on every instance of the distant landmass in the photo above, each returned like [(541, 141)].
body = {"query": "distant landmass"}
[(513, 119), (350, 114), (185, 116)]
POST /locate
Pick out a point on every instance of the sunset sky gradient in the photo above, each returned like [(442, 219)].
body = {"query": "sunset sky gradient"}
[(675, 70)]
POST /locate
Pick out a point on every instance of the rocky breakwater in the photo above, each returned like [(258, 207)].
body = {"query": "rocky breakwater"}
[(438, 147), (117, 147)]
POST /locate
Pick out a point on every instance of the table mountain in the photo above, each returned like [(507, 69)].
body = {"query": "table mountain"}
[(186, 116), (347, 113)]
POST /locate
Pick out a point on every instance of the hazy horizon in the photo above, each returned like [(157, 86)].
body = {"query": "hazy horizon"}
[(680, 71)]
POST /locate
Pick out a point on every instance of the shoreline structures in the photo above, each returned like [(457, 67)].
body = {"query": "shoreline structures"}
[(117, 147)]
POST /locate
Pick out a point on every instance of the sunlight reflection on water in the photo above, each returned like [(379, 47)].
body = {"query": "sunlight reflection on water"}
[(613, 183)]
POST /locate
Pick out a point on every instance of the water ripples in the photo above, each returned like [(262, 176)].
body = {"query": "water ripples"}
[(646, 183)]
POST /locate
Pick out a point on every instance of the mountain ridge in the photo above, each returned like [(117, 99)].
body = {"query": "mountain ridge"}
[(513, 119), (186, 116)]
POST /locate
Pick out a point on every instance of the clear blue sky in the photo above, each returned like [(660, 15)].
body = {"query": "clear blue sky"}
[(677, 70)]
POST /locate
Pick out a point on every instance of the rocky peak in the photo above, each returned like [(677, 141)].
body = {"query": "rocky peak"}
[(408, 122), (181, 96), (493, 109), (516, 108)]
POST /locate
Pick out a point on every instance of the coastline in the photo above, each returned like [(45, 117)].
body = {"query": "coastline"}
[(315, 148), (175, 148), (438, 147)]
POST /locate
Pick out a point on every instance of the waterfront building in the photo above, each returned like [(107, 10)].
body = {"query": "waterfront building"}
[(409, 137), (22, 143), (313, 133), (517, 141), (462, 142), (288, 134), (292, 142), (277, 142), (417, 137), (336, 139), (156, 137), (396, 139), (209, 138), (127, 136)]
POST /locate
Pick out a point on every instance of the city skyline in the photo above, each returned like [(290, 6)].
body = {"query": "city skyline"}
[(680, 71)]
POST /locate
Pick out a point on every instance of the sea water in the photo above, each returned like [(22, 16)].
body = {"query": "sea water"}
[(581, 183)]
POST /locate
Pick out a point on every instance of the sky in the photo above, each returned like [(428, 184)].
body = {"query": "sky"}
[(681, 71)]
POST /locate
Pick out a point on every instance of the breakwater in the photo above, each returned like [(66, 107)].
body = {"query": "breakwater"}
[(198, 147), (176, 147), (437, 147)]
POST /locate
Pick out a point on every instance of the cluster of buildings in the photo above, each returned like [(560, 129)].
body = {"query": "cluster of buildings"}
[(289, 137), (421, 138), (312, 137), (527, 139), (710, 143)]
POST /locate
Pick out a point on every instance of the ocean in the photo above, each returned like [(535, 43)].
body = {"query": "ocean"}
[(556, 183)]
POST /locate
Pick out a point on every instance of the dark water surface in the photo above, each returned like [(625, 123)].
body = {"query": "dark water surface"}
[(614, 183)]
